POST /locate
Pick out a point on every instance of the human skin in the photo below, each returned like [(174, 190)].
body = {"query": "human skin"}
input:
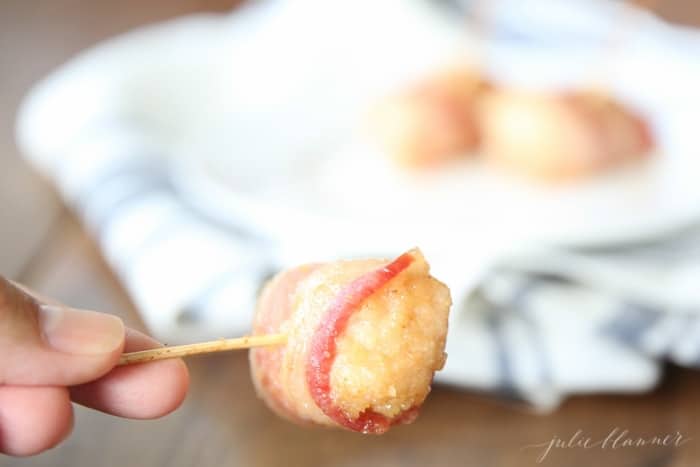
[(52, 356)]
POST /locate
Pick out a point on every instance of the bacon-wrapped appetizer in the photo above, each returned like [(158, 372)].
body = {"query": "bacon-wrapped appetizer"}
[(432, 122), (561, 136), (364, 338)]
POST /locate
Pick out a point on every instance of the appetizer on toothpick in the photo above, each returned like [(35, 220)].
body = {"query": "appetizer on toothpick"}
[(364, 339), (349, 344)]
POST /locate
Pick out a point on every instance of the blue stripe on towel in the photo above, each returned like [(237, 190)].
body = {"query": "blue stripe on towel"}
[(631, 322)]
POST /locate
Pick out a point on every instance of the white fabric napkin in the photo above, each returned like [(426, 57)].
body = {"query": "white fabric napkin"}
[(535, 326)]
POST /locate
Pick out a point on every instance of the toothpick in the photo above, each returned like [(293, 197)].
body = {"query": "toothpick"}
[(221, 345)]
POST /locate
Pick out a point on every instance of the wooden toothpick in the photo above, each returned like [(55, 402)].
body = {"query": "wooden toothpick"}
[(220, 345)]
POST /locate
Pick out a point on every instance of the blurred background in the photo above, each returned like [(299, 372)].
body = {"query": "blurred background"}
[(102, 132)]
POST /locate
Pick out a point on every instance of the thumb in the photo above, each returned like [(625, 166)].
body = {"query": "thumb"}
[(53, 345)]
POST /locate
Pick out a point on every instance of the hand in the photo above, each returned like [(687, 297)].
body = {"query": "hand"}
[(51, 355)]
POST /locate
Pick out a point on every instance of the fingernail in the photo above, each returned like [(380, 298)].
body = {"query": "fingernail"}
[(80, 332)]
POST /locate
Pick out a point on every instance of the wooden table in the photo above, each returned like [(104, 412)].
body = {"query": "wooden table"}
[(222, 422)]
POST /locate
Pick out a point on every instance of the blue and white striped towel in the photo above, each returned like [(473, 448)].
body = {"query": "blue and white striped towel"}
[(537, 327)]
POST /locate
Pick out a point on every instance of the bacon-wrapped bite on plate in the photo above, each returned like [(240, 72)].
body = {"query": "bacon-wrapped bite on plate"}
[(431, 122), (364, 338), (559, 137)]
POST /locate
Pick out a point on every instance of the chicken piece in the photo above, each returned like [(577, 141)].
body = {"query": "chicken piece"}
[(364, 340), (432, 122), (563, 136)]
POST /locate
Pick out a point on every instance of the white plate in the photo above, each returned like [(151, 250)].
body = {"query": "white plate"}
[(258, 112), (297, 173)]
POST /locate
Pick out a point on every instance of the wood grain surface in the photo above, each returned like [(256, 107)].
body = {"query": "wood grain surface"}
[(222, 422)]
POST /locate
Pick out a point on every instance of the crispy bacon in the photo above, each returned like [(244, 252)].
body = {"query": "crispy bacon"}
[(323, 346)]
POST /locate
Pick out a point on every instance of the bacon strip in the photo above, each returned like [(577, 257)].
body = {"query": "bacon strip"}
[(322, 351)]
